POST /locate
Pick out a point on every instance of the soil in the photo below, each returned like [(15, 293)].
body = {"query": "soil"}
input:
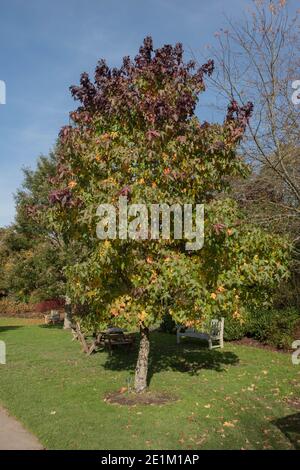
[(256, 344), (145, 398), (294, 402)]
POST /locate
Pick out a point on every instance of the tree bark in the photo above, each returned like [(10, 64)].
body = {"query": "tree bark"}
[(141, 370), (68, 314)]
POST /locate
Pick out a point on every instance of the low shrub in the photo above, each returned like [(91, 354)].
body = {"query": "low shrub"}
[(274, 327), (48, 305), (234, 329), (12, 308), (168, 325)]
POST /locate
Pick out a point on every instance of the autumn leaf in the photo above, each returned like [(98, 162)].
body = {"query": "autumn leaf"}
[(229, 424)]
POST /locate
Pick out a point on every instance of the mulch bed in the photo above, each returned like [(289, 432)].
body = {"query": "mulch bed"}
[(256, 344), (293, 402), (133, 399)]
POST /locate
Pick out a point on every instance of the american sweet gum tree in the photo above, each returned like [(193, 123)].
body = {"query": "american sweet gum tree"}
[(136, 135)]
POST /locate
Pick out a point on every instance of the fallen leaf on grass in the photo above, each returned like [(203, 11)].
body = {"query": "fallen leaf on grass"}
[(201, 440), (252, 388), (229, 424)]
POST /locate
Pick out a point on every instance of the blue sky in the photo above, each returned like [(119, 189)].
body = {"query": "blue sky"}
[(46, 44)]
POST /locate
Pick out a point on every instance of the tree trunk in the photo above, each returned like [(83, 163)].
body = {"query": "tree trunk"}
[(68, 314), (141, 370)]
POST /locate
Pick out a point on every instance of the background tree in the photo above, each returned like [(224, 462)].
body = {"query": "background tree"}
[(31, 264), (266, 201), (258, 59), (136, 135), (33, 255)]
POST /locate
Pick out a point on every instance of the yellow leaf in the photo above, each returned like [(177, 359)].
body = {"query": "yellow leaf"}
[(228, 424)]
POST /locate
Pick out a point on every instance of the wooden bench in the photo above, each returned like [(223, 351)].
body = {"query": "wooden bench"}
[(214, 336), (52, 318), (112, 337), (118, 339)]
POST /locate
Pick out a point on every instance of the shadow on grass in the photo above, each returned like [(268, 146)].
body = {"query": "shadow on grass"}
[(290, 427), (9, 327), (189, 357), (58, 326)]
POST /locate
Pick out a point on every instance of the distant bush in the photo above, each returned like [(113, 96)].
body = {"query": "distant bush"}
[(47, 305), (274, 327), (13, 308)]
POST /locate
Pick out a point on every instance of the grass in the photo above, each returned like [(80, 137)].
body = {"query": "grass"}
[(231, 399)]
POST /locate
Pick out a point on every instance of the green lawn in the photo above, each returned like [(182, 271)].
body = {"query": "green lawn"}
[(232, 399)]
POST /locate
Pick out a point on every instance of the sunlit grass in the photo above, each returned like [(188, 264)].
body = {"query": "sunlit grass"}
[(235, 398)]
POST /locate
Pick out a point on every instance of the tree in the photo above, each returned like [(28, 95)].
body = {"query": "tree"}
[(266, 200), (135, 135), (258, 59), (32, 254), (31, 264)]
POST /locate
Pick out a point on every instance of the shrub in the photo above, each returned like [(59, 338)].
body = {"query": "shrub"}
[(234, 330), (168, 325), (274, 327), (47, 305), (11, 308)]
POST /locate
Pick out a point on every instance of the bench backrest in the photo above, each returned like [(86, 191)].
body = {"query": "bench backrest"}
[(217, 328)]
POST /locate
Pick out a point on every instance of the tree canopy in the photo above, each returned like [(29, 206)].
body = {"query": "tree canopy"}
[(135, 134)]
